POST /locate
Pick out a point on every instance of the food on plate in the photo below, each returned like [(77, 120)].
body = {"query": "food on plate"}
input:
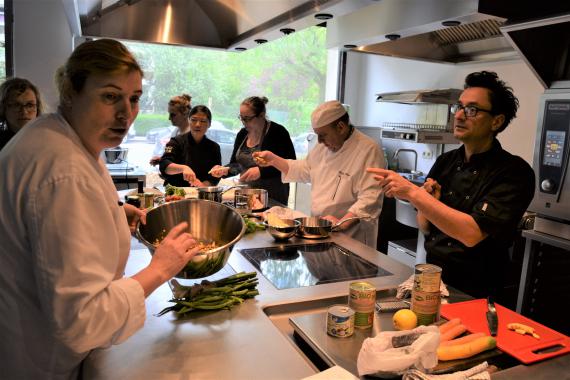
[(212, 295), (523, 329), (449, 324), (453, 332), (275, 221), (405, 319), (466, 350), (462, 340)]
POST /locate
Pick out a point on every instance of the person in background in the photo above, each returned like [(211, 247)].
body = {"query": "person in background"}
[(179, 115), (65, 237), (474, 196), (340, 188), (20, 103), (258, 133), (187, 158)]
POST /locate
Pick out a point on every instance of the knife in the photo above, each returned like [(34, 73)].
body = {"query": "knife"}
[(492, 319)]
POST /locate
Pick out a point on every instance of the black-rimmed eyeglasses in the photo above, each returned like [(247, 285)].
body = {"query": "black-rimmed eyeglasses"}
[(28, 107), (246, 119), (469, 111)]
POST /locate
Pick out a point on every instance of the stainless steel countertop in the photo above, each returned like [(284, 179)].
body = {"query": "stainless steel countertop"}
[(241, 343)]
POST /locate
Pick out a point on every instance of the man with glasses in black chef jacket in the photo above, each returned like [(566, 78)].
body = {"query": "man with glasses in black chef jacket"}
[(474, 196)]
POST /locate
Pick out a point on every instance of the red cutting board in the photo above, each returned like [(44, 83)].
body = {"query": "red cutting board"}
[(523, 347)]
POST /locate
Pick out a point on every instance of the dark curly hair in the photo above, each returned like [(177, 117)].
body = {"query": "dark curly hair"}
[(503, 101)]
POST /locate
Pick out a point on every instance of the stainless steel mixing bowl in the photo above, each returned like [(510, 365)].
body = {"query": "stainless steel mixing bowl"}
[(208, 222), (283, 233)]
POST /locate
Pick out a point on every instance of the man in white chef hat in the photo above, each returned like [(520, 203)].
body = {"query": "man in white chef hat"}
[(340, 187)]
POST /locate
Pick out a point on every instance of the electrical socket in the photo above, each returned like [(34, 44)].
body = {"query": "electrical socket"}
[(427, 154)]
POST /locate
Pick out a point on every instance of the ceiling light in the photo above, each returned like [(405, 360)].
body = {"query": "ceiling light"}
[(392, 36), (239, 48), (260, 41), (451, 23), (323, 16), (287, 31), (349, 46)]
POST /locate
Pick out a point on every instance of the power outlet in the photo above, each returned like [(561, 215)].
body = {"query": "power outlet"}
[(427, 154)]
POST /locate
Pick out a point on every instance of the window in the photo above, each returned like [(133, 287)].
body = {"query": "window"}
[(290, 72)]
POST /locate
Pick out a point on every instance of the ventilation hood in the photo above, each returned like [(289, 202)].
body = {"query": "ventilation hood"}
[(218, 24), (449, 31)]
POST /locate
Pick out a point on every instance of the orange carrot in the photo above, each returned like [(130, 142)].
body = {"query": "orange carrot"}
[(466, 350), (449, 324), (462, 340), (453, 332)]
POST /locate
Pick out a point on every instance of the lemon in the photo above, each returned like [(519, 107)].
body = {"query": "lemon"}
[(405, 319)]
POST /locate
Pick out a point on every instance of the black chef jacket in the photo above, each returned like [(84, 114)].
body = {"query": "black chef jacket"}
[(495, 188), (200, 157)]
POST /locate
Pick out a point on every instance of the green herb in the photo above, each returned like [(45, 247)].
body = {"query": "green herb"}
[(252, 226), (212, 295), (173, 190)]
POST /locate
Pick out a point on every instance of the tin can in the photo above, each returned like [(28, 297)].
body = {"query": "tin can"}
[(362, 299), (148, 200), (134, 200), (426, 297), (340, 321)]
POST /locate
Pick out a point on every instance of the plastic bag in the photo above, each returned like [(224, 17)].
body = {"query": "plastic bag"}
[(391, 353)]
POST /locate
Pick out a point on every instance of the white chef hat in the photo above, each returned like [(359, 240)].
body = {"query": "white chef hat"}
[(327, 113)]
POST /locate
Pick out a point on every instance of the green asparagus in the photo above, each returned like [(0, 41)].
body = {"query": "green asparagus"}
[(212, 295)]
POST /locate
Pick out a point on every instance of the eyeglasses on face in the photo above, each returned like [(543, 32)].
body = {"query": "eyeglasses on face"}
[(469, 111), (195, 120), (245, 118), (28, 107)]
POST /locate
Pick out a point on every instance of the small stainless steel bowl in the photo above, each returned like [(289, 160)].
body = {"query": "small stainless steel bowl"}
[(283, 233)]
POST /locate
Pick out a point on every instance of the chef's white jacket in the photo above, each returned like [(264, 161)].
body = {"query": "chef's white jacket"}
[(64, 245), (340, 183)]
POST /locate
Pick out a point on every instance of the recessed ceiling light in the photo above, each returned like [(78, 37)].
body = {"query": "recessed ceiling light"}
[(349, 46), (392, 36), (239, 48), (451, 23), (287, 31), (260, 41), (323, 16)]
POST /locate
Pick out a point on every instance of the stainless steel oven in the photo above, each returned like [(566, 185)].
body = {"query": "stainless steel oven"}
[(551, 164)]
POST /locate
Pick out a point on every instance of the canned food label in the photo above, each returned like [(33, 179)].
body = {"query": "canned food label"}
[(362, 299), (426, 306), (340, 321), (427, 278)]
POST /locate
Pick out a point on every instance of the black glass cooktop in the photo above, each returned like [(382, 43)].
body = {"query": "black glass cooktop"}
[(295, 266)]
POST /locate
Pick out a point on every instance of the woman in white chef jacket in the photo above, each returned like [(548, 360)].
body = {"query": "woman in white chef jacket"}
[(336, 170), (65, 237)]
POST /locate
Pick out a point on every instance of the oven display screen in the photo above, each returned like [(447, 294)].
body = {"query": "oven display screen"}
[(553, 148)]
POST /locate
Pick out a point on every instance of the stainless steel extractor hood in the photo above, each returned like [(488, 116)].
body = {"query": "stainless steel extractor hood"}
[(219, 24), (449, 31)]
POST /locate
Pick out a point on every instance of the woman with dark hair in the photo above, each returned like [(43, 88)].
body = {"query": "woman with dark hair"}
[(259, 133), (187, 158), (20, 103), (65, 237)]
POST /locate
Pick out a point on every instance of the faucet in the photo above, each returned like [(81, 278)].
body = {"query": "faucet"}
[(397, 153)]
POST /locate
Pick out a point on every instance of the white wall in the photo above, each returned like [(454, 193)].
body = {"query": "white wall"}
[(42, 43), (368, 75)]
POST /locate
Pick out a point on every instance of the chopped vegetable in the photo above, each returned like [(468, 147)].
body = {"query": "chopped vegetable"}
[(252, 226), (522, 329), (213, 295), (173, 190)]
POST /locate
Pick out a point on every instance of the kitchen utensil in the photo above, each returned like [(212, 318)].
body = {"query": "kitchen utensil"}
[(315, 227), (256, 199), (208, 222), (116, 155), (523, 347), (283, 233), (212, 193), (492, 319)]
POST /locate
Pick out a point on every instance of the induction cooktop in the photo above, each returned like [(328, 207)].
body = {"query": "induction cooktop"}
[(296, 266)]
